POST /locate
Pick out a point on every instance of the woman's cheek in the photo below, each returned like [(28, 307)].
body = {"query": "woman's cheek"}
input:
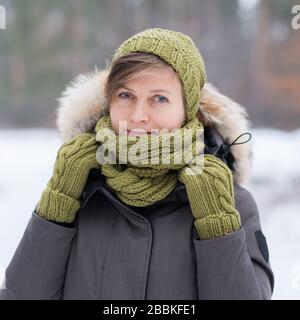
[(167, 120), (118, 115)]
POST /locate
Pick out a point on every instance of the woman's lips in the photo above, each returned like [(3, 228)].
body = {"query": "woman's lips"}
[(136, 132), (139, 132)]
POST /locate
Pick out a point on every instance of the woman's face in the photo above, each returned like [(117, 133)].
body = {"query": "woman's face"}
[(152, 100)]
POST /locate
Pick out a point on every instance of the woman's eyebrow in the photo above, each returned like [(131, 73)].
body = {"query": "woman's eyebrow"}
[(161, 90), (154, 90)]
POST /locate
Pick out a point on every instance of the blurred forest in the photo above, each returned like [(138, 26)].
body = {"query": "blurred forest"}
[(250, 49)]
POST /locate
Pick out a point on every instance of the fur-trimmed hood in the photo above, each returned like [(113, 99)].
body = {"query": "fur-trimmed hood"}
[(82, 103)]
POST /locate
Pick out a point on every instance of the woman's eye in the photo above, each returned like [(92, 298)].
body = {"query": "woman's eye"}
[(158, 98), (124, 95), (161, 98)]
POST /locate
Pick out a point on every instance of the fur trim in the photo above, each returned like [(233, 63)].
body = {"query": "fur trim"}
[(231, 120), (83, 103)]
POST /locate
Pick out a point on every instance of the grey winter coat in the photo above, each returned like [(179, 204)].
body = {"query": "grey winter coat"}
[(115, 251)]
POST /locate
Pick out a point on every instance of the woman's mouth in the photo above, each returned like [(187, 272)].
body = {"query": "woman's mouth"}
[(136, 132)]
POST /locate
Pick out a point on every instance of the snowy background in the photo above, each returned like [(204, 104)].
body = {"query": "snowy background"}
[(27, 158)]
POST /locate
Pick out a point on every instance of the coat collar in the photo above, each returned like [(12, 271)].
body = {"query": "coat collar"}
[(96, 182), (82, 103)]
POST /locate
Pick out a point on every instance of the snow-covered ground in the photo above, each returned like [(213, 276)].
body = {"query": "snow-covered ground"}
[(26, 163)]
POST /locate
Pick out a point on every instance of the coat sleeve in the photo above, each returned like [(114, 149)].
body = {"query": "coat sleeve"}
[(37, 269), (236, 266)]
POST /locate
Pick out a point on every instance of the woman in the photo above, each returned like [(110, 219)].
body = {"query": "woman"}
[(129, 230)]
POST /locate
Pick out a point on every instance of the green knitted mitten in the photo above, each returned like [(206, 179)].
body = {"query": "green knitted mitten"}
[(211, 198), (60, 199)]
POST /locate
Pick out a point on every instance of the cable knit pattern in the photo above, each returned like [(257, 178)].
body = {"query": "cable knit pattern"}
[(60, 200), (180, 52), (211, 198), (210, 191), (149, 179)]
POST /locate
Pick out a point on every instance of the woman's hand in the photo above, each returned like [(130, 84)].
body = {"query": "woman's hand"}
[(211, 197), (60, 200)]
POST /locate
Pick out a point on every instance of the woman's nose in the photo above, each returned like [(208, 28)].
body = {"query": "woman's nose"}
[(139, 114)]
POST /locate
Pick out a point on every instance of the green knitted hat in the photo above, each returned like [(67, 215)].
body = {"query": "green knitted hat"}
[(177, 50)]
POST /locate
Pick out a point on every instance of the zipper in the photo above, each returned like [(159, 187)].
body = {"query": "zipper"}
[(104, 191)]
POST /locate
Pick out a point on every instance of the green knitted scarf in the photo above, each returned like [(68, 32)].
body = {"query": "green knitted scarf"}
[(144, 169)]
